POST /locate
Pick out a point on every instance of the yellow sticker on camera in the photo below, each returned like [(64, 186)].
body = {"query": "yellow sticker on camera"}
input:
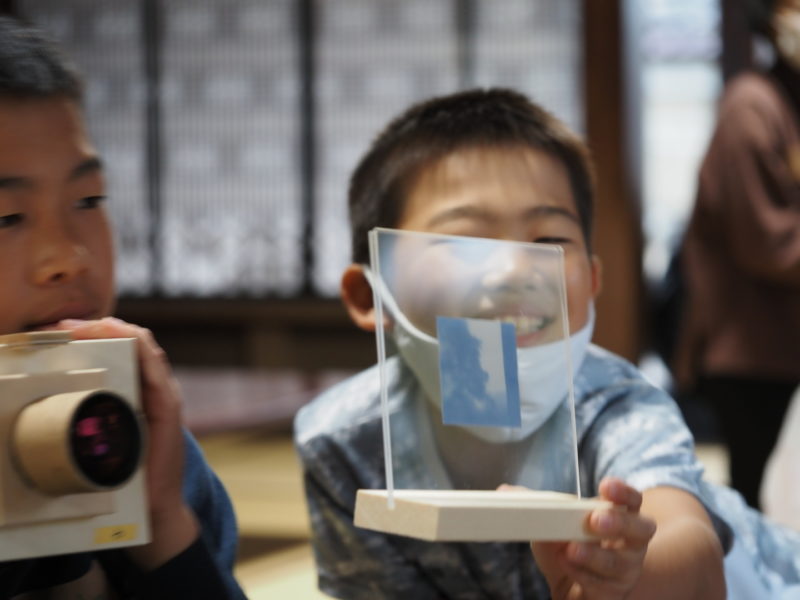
[(115, 533)]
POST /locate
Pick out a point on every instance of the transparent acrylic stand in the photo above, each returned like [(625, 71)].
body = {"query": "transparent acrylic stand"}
[(480, 329)]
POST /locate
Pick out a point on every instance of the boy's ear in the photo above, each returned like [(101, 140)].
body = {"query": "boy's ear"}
[(597, 276), (356, 294)]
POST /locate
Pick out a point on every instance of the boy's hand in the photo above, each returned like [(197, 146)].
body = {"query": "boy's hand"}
[(607, 569), (173, 524)]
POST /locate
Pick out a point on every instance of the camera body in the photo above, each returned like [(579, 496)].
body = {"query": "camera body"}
[(73, 441)]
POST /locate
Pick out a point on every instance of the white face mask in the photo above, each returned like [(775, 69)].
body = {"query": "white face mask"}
[(540, 368)]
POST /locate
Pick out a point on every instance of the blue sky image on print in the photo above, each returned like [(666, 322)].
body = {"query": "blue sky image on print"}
[(478, 372)]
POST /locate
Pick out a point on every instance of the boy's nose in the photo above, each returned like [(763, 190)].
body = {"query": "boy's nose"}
[(512, 269), (60, 260)]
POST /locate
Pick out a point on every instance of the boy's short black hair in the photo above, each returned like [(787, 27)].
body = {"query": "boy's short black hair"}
[(430, 130), (31, 65)]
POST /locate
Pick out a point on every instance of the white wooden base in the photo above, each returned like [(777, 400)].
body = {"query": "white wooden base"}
[(476, 516)]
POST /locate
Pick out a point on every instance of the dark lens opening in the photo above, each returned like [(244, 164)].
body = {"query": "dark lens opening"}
[(105, 439)]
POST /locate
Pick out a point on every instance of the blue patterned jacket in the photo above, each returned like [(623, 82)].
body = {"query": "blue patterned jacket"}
[(626, 427)]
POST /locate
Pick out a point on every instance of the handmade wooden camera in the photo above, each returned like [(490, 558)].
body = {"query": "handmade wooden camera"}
[(73, 440)]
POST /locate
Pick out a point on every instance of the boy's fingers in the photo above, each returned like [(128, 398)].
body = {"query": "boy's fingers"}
[(155, 369), (600, 561), (633, 528), (617, 491), (111, 327), (507, 487), (108, 327), (607, 579)]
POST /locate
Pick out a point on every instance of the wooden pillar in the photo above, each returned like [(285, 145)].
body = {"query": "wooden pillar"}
[(612, 133)]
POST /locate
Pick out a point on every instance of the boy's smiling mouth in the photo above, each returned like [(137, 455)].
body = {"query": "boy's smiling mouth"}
[(528, 329), (525, 325), (531, 320)]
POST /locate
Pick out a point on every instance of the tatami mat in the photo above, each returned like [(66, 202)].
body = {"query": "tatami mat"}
[(262, 476)]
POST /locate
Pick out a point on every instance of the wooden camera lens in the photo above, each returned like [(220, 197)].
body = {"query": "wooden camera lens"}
[(78, 442)]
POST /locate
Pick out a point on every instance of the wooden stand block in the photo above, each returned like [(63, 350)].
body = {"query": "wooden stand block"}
[(477, 516)]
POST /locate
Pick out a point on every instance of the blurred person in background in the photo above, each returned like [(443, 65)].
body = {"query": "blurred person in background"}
[(739, 342)]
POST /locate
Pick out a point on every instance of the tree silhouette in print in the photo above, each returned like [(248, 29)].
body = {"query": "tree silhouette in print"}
[(465, 399)]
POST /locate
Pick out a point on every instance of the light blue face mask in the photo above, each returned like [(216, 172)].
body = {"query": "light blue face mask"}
[(542, 370)]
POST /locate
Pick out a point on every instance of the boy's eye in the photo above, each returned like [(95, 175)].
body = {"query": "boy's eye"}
[(10, 220), (551, 240), (90, 202)]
